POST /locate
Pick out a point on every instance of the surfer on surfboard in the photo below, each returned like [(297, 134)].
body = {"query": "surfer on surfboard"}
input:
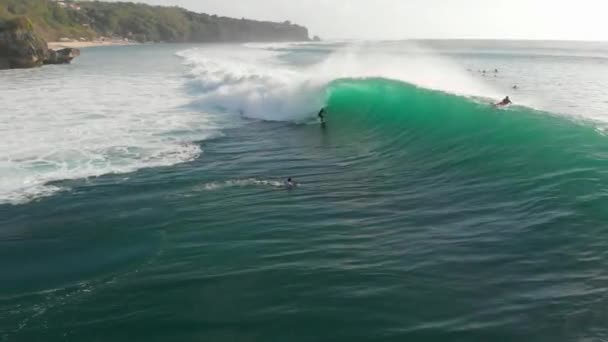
[(505, 102), (322, 115)]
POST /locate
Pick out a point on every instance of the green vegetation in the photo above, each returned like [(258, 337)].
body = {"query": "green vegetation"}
[(50, 20), (19, 23), (54, 20)]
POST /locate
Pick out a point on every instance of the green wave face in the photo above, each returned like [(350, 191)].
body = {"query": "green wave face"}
[(498, 155)]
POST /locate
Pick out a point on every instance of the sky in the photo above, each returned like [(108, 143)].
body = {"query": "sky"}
[(405, 19)]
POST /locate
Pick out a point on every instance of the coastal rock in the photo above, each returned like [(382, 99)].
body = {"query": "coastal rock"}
[(20, 47), (62, 56)]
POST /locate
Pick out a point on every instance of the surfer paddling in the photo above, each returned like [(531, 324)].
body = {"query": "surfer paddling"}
[(290, 184)]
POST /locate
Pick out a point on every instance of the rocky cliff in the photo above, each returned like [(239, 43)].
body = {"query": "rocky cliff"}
[(21, 47)]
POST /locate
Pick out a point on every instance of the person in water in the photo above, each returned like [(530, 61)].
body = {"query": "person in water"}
[(322, 115), (504, 102), (289, 183)]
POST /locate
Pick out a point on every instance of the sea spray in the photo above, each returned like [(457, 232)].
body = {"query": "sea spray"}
[(254, 82)]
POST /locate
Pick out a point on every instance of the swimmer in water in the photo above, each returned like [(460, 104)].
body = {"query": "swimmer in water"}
[(289, 183)]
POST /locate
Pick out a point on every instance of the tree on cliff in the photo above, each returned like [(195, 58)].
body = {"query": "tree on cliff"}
[(143, 22)]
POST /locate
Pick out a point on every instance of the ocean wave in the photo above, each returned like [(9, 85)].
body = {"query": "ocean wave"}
[(450, 134), (254, 81)]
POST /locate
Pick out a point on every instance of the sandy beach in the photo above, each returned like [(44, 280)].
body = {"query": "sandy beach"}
[(85, 44)]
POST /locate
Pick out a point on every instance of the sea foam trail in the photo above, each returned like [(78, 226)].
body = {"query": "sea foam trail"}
[(251, 182), (257, 80)]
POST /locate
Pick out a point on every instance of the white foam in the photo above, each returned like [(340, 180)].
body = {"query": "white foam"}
[(213, 186), (253, 82), (55, 127)]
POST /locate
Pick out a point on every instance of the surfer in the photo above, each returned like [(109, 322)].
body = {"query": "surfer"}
[(322, 115), (506, 101), (289, 183)]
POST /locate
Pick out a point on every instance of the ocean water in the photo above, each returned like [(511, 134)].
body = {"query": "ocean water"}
[(142, 194)]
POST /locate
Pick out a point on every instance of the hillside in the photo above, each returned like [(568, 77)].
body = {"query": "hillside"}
[(55, 19)]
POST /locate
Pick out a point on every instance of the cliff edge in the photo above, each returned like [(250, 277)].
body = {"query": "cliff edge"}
[(20, 46)]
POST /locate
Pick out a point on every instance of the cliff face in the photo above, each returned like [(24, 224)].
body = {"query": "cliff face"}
[(20, 47)]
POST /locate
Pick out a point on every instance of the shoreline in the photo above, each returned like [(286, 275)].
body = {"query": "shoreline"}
[(79, 45)]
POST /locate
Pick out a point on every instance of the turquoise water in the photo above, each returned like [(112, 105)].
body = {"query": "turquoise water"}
[(144, 200)]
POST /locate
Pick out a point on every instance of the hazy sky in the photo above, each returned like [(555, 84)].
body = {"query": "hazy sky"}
[(398, 19)]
